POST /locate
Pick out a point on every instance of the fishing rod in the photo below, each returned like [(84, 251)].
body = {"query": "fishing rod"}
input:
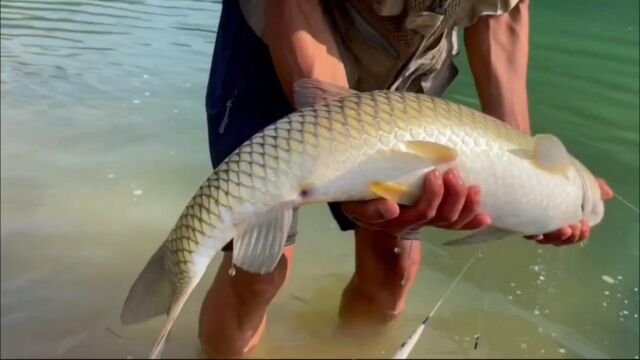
[(408, 345)]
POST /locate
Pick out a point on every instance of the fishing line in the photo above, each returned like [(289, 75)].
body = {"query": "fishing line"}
[(625, 202), (408, 345), (454, 283), (480, 317)]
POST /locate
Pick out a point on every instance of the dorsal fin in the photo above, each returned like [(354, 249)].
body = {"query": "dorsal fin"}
[(548, 153), (309, 92)]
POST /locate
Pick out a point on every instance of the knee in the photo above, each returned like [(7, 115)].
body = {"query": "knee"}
[(232, 317), (387, 278), (389, 293), (252, 287), (368, 303), (256, 289), (380, 286)]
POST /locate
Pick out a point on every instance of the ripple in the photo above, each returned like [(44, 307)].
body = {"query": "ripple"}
[(53, 9), (34, 32), (39, 36), (208, 31), (63, 30)]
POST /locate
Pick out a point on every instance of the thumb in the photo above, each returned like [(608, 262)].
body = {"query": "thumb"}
[(372, 211), (605, 190)]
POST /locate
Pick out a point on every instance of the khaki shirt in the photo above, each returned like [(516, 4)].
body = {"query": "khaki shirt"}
[(404, 45)]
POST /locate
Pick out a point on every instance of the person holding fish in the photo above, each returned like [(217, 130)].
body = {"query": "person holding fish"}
[(263, 48)]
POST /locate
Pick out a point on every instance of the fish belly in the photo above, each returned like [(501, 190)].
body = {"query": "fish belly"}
[(517, 196), (520, 197)]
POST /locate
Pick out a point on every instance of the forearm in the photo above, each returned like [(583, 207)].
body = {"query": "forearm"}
[(498, 52), (302, 44)]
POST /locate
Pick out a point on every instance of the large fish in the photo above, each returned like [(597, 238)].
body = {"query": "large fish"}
[(344, 145)]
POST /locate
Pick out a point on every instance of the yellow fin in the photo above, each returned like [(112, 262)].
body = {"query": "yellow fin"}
[(389, 190), (438, 153)]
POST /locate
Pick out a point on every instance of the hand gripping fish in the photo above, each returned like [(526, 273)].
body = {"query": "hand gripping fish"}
[(343, 145)]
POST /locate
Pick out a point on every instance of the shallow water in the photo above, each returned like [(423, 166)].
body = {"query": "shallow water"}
[(104, 141)]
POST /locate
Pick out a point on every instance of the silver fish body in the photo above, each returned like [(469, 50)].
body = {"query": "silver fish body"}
[(334, 151)]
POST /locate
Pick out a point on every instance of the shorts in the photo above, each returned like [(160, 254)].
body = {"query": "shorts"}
[(244, 95)]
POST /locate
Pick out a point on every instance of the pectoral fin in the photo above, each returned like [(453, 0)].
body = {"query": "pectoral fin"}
[(547, 154), (480, 236), (309, 92), (422, 154), (391, 191), (435, 152), (259, 243)]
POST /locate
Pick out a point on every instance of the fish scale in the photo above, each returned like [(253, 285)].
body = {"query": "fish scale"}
[(332, 151)]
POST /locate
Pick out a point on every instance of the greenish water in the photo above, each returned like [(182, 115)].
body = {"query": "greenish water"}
[(104, 140)]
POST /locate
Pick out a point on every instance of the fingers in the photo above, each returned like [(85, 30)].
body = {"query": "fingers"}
[(453, 200), (445, 202), (565, 236), (605, 190), (432, 195), (557, 236), (575, 234), (370, 212), (477, 222), (427, 206), (386, 215), (470, 209), (586, 230), (579, 232)]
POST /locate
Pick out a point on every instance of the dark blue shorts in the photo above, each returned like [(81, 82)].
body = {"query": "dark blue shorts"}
[(244, 94)]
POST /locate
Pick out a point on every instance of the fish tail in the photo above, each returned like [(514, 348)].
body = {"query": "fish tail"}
[(174, 311), (255, 211), (151, 294), (177, 266), (154, 293)]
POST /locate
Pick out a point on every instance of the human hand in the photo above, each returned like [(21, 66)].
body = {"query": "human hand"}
[(572, 234), (446, 202)]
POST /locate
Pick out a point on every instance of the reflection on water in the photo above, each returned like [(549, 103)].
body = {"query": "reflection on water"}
[(104, 141)]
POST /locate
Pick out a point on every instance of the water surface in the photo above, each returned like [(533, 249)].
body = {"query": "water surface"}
[(104, 141)]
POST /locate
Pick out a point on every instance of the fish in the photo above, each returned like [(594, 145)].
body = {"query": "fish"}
[(345, 145)]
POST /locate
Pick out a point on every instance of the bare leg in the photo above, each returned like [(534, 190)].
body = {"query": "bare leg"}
[(233, 314), (378, 290)]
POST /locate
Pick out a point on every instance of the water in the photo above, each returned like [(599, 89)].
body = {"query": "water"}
[(104, 141)]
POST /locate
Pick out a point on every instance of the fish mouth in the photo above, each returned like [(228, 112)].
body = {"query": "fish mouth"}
[(592, 204)]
